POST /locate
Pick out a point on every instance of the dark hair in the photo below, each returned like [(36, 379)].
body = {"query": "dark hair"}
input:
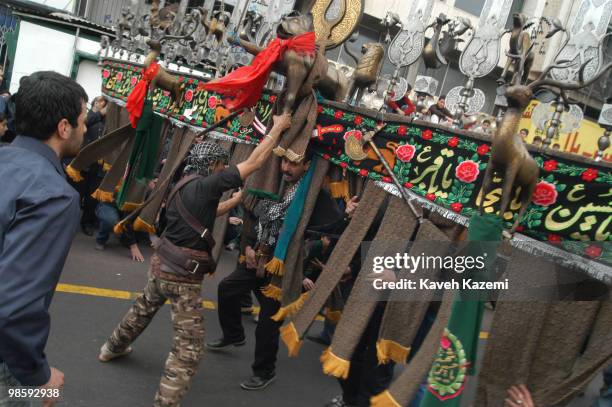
[(525, 130), (486, 121), (537, 138), (43, 100), (308, 155), (408, 88), (442, 97)]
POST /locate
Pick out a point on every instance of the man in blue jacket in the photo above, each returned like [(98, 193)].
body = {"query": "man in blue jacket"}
[(39, 214)]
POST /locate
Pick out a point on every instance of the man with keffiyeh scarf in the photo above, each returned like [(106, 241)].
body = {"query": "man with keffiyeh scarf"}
[(182, 258), (259, 241)]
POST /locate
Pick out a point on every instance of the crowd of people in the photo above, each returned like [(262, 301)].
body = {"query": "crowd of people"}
[(40, 213)]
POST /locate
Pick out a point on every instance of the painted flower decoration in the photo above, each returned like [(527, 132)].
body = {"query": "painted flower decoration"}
[(387, 179), (445, 343), (272, 98), (212, 102), (427, 134), (593, 251), (358, 120), (119, 76), (363, 172), (545, 194), (467, 171), (408, 184), (343, 164), (554, 238), (319, 109), (589, 174), (456, 207), (338, 114), (550, 165), (483, 149), (431, 197), (189, 95), (326, 156), (453, 142), (405, 152), (105, 73), (133, 80), (402, 130)]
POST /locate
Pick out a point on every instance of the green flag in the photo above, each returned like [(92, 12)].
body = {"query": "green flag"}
[(457, 354)]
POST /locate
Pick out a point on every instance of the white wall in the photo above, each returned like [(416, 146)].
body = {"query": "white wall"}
[(89, 77), (41, 49), (67, 5)]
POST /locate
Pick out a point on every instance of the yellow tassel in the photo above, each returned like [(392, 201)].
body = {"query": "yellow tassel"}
[(106, 167), (290, 337), (119, 228), (130, 206), (279, 151), (276, 266), (291, 309), (241, 258), (272, 291), (334, 365), (142, 226), (388, 350), (102, 196), (333, 316), (339, 189), (74, 174), (293, 156), (384, 399)]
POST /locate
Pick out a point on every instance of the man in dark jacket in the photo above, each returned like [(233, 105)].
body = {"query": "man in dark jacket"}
[(39, 214), (440, 110)]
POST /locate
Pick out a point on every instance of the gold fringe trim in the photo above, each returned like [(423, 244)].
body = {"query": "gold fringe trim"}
[(339, 189), (142, 226), (384, 399), (276, 266), (293, 156), (130, 206), (333, 316), (74, 174), (119, 228), (106, 167), (103, 196), (291, 309), (388, 350), (279, 151), (291, 338), (334, 365), (241, 259), (272, 291)]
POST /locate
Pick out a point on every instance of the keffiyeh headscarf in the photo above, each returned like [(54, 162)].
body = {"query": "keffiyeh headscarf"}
[(271, 215), (202, 156)]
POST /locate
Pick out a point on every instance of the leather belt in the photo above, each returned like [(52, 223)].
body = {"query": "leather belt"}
[(177, 261)]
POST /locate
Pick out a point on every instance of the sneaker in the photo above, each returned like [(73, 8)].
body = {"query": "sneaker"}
[(337, 401), (100, 246), (257, 383), (106, 355), (222, 344)]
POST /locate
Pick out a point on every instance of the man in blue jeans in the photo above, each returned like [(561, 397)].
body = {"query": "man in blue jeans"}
[(39, 215), (109, 216), (605, 398)]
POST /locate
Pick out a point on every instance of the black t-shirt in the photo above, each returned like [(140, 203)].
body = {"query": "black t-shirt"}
[(201, 199)]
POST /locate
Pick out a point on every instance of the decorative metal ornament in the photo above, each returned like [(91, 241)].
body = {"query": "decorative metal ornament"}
[(408, 44), (605, 120), (272, 17), (476, 100), (353, 146), (481, 55), (585, 41), (568, 122), (335, 20), (426, 84)]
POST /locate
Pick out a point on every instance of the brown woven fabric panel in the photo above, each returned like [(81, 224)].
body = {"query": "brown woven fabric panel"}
[(103, 147), (341, 257), (267, 178), (403, 315), (405, 386), (396, 229), (292, 279), (116, 172)]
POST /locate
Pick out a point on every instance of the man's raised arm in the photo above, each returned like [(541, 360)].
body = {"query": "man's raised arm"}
[(263, 150)]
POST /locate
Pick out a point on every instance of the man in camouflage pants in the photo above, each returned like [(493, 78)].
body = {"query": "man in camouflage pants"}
[(193, 205)]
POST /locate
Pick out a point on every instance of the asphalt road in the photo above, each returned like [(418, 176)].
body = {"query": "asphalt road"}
[(94, 293)]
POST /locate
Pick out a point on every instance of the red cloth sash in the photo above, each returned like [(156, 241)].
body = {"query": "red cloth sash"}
[(135, 101), (244, 86)]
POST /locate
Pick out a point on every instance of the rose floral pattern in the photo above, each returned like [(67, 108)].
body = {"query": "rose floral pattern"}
[(405, 152), (545, 194), (467, 171)]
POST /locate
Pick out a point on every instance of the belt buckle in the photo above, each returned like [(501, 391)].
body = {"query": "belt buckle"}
[(196, 267)]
